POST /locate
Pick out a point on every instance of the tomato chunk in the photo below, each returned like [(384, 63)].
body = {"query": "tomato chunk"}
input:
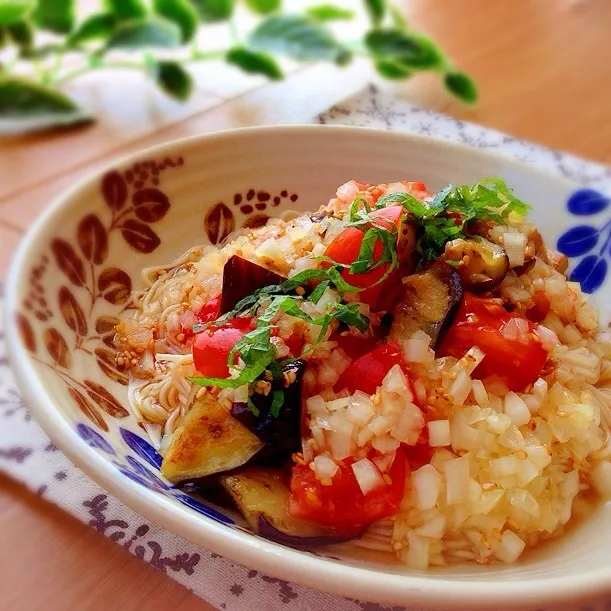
[(483, 323), (210, 310), (212, 346), (354, 346), (368, 371), (345, 248), (342, 505)]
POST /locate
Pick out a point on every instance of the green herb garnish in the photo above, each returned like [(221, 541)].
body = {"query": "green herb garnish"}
[(444, 218)]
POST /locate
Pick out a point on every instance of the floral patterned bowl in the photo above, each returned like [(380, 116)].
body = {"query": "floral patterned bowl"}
[(75, 270)]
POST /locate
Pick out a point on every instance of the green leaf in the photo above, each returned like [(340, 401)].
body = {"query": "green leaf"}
[(95, 27), (255, 62), (376, 10), (329, 12), (264, 7), (3, 37), (406, 49), (211, 11), (26, 105), (12, 11), (392, 70), (141, 33), (277, 402), (55, 15), (461, 85), (180, 12), (174, 80), (298, 36), (22, 34), (126, 9)]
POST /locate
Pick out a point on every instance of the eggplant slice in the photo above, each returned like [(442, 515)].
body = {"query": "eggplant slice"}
[(429, 303), (208, 441), (262, 495), (481, 264), (242, 278), (280, 434)]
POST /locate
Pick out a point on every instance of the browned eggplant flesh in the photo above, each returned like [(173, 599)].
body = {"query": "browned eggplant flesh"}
[(481, 264), (429, 303), (209, 440)]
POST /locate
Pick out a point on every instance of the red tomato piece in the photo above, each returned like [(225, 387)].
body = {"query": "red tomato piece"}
[(367, 372), (354, 346), (295, 344), (345, 248), (212, 346), (480, 322), (210, 310), (342, 505)]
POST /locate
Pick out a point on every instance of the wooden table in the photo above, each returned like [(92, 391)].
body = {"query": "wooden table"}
[(543, 75)]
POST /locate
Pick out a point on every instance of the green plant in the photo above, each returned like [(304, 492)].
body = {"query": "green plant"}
[(137, 34)]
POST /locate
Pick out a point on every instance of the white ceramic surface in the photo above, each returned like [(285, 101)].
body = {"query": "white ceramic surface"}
[(71, 277)]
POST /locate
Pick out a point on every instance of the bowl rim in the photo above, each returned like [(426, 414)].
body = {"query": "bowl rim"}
[(237, 545)]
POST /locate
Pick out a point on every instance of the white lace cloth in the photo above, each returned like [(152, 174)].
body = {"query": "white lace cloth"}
[(27, 455)]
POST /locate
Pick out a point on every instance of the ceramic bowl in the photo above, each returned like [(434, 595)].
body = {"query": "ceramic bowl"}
[(76, 268)]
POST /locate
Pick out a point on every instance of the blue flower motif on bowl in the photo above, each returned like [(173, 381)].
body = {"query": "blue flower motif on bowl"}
[(590, 243)]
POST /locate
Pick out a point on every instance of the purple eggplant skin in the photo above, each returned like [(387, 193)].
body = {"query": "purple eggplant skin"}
[(300, 541), (242, 278), (429, 303), (281, 435)]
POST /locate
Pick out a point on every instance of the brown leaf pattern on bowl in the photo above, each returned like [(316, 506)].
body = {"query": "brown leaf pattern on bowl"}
[(93, 239), (134, 201), (115, 285), (26, 332), (57, 347), (87, 408), (220, 221), (105, 400), (72, 312)]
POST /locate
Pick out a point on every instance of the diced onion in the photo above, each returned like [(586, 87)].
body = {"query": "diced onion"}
[(367, 475), (524, 500), (409, 425), (360, 409), (516, 329), (457, 480), (506, 465), (433, 529), (380, 425), (479, 392), (395, 381), (509, 548), (416, 349), (548, 338), (439, 433), (460, 388), (188, 319), (324, 467), (385, 444), (516, 409), (426, 483), (515, 246), (316, 406), (383, 463)]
